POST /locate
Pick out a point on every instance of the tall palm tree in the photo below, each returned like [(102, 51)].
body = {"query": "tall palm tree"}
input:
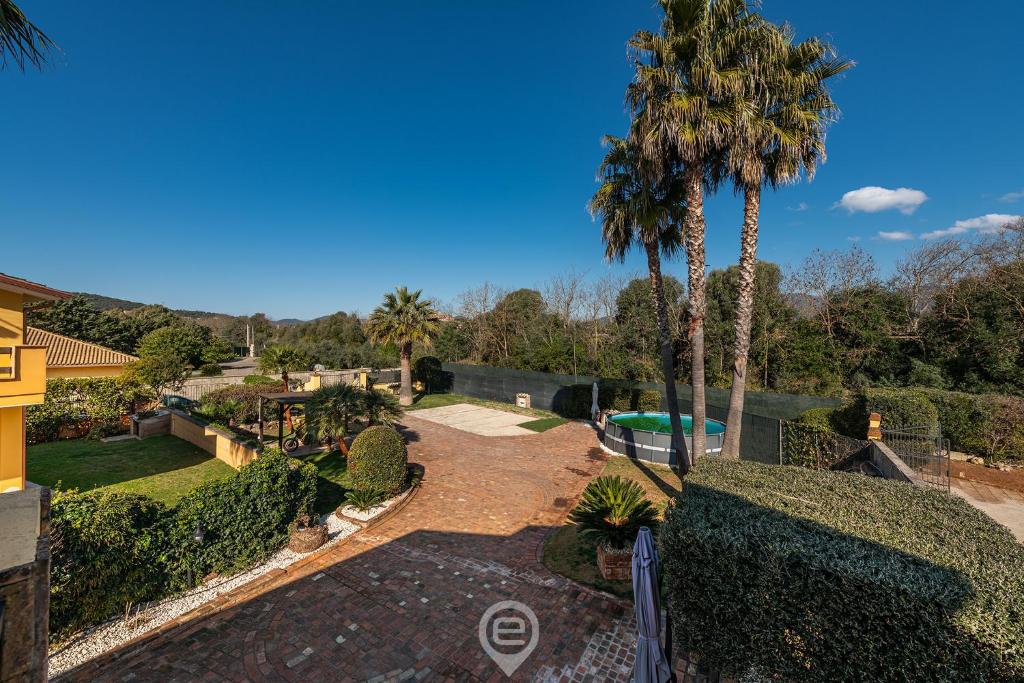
[(283, 359), (772, 143), (686, 96), (642, 207), (403, 319), (20, 39)]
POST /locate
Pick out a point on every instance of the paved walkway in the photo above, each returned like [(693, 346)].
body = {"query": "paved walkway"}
[(1002, 505), (403, 600), (478, 419)]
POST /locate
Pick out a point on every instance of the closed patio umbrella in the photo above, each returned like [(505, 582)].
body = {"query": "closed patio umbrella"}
[(651, 664), (594, 410)]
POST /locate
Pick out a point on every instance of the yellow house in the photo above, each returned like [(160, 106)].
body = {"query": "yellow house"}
[(68, 357), (22, 374)]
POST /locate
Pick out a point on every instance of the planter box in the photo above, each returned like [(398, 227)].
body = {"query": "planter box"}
[(615, 564)]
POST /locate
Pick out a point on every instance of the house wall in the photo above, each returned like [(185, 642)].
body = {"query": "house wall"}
[(12, 449), (85, 371)]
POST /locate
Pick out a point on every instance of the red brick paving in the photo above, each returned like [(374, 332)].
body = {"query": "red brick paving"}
[(402, 600)]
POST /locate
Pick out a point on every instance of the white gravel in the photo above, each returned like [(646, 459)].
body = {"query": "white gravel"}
[(353, 513), (115, 633)]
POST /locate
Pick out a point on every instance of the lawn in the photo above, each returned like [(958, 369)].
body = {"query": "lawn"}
[(332, 482), (163, 467), (437, 400), (568, 554)]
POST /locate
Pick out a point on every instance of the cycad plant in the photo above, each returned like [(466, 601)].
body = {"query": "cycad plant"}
[(611, 512), (781, 135), (638, 205), (403, 320)]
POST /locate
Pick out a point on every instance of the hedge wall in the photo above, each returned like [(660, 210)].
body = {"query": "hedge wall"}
[(73, 400), (234, 404), (612, 395), (812, 576), (114, 549)]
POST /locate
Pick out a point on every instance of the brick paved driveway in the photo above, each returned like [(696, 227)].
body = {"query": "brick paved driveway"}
[(402, 601)]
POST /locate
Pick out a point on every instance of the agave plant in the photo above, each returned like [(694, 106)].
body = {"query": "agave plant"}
[(612, 510), (364, 499)]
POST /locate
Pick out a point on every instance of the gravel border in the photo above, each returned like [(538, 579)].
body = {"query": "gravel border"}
[(116, 632)]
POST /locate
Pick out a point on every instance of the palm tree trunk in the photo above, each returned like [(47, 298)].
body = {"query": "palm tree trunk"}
[(668, 367), (697, 287), (405, 394), (744, 318)]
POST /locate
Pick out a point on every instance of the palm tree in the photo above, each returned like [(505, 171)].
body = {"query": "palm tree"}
[(329, 411), (283, 359), (772, 143), (20, 39), (685, 97), (645, 207), (380, 407), (403, 319)]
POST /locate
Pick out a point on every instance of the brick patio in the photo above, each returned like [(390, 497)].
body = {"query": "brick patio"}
[(402, 600)]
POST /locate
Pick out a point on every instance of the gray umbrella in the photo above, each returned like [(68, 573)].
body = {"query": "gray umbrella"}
[(651, 665)]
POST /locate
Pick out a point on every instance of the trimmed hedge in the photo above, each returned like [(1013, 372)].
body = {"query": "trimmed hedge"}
[(260, 379), (429, 371), (235, 404), (74, 400), (611, 395), (378, 460), (984, 424), (800, 575), (210, 370), (110, 550)]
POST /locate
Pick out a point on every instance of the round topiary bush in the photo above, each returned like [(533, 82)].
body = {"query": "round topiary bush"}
[(378, 460)]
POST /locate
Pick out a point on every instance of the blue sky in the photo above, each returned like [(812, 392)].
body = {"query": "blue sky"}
[(187, 153)]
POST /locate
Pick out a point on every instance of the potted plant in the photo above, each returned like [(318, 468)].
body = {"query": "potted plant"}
[(307, 534), (611, 512)]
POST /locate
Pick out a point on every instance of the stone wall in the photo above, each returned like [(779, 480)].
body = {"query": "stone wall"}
[(222, 445), (892, 466), (25, 586)]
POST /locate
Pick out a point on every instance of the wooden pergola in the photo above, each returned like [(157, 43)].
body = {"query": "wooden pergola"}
[(284, 400)]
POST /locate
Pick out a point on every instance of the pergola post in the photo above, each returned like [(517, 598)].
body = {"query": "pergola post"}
[(280, 425)]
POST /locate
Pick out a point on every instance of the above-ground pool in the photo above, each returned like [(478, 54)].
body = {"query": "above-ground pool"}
[(648, 436)]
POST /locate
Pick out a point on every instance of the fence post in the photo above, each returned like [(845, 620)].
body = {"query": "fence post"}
[(780, 442)]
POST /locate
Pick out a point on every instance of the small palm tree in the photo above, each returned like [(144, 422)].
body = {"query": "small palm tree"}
[(20, 39), (329, 411), (612, 510), (403, 319), (771, 144), (380, 407), (639, 205), (283, 359)]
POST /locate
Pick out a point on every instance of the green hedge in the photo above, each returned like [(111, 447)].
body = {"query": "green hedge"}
[(983, 424), (378, 460), (825, 576), (235, 404), (70, 401), (621, 396), (110, 550), (210, 370), (260, 379)]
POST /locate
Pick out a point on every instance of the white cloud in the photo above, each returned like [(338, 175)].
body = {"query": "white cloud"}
[(872, 199), (853, 238), (802, 206), (1011, 197), (988, 224), (895, 235)]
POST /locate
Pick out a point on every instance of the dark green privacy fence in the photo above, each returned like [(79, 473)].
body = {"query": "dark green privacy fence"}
[(762, 417)]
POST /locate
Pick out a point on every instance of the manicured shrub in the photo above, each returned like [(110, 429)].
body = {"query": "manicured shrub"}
[(378, 460), (981, 424), (429, 371), (575, 400), (612, 510), (70, 401), (901, 407), (243, 519), (235, 404), (106, 552), (210, 370), (826, 576), (111, 550), (260, 379), (102, 430)]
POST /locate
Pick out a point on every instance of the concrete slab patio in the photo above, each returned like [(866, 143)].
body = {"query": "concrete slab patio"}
[(478, 419), (1002, 505)]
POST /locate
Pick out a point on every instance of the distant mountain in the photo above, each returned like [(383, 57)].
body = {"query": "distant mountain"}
[(108, 303)]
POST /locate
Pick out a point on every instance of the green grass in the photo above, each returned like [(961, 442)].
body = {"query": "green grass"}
[(332, 483), (544, 424), (437, 400), (571, 555), (163, 467)]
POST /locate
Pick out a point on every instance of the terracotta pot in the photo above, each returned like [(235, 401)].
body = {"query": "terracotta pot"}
[(615, 564)]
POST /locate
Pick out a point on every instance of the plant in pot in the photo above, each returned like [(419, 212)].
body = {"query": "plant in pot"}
[(307, 534), (610, 513)]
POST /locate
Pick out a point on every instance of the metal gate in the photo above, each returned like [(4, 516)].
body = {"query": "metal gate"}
[(924, 450)]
